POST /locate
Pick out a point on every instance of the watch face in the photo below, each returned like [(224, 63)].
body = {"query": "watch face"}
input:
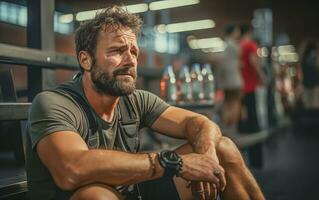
[(171, 156), (171, 162)]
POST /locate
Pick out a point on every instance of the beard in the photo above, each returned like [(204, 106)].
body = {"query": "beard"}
[(107, 82)]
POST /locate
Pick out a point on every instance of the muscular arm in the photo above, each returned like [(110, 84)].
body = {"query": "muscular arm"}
[(201, 132), (73, 165), (203, 135)]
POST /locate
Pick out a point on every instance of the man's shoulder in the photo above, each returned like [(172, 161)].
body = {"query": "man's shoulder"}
[(143, 95), (59, 92), (141, 92), (144, 98), (48, 95), (51, 99)]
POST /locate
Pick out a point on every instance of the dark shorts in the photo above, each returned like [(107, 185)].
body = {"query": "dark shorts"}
[(158, 189), (232, 94), (249, 125)]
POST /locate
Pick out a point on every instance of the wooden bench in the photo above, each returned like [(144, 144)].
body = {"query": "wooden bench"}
[(13, 181), (14, 186)]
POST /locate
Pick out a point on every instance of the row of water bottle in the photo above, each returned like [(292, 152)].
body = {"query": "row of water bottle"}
[(195, 86)]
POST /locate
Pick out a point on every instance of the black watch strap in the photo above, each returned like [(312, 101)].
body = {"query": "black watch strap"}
[(171, 162)]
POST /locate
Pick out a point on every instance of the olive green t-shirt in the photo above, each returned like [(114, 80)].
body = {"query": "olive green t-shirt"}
[(52, 111)]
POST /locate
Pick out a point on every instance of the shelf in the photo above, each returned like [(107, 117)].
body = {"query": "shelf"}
[(14, 186), (14, 111), (193, 106)]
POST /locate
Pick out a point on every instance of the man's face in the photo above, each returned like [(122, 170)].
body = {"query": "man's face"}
[(236, 34), (114, 72)]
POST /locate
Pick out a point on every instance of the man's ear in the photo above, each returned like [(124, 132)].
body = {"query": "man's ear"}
[(85, 60)]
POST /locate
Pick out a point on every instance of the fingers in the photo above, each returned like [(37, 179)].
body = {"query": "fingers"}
[(206, 169), (206, 186), (213, 191), (203, 190), (198, 190), (222, 180), (217, 184)]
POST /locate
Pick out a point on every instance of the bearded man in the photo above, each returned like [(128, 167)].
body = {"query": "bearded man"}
[(83, 137)]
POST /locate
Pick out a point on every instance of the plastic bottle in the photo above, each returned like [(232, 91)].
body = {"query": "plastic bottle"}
[(184, 86), (168, 85), (197, 83), (209, 83)]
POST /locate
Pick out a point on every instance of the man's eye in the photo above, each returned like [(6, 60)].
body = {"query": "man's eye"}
[(115, 51), (135, 54)]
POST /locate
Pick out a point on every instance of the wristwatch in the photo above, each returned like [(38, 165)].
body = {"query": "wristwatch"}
[(171, 162)]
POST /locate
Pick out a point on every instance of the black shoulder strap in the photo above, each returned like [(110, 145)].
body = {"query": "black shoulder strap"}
[(84, 105), (127, 112), (129, 124)]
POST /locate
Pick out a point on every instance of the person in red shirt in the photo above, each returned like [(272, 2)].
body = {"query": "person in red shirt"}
[(251, 69), (252, 76)]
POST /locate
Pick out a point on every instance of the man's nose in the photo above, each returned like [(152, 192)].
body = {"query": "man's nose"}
[(130, 59)]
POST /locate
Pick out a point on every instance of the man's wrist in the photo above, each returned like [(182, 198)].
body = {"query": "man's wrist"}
[(159, 169), (171, 162)]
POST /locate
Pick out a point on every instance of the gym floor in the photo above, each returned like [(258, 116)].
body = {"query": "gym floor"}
[(291, 165)]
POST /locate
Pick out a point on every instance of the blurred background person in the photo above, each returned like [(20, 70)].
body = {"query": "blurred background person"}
[(230, 81), (252, 76), (310, 73)]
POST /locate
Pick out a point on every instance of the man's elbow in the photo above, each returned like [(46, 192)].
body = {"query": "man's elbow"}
[(213, 126), (69, 178), (204, 122)]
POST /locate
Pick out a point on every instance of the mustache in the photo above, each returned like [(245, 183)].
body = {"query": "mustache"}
[(126, 70)]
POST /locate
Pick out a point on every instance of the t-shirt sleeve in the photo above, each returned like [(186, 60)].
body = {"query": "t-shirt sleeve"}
[(50, 112), (150, 106), (252, 48)]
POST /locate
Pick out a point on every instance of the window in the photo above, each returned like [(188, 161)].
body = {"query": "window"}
[(17, 14)]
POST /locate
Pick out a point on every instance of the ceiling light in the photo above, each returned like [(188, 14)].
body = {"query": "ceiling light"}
[(207, 43), (186, 26), (135, 8), (159, 5), (213, 50), (86, 15), (161, 28), (288, 57), (286, 49), (65, 19)]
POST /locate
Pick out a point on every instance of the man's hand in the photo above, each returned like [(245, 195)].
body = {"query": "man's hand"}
[(203, 135), (206, 174), (203, 190)]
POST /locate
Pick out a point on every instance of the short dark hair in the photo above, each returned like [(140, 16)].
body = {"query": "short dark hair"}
[(245, 28), (229, 29), (113, 16)]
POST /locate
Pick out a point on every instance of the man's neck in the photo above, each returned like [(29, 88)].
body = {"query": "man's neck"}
[(246, 37), (104, 105)]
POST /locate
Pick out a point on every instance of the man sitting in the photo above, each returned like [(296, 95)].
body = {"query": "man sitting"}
[(83, 135)]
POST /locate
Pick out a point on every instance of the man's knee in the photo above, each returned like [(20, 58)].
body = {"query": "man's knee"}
[(228, 153), (96, 192)]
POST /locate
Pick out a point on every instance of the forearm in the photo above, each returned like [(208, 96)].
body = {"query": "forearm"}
[(202, 134), (257, 67), (112, 168)]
